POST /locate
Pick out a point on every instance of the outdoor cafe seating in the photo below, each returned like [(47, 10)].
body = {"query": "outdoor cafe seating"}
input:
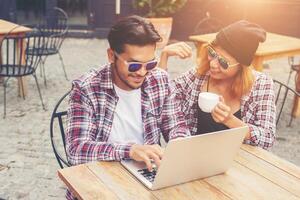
[(16, 62), (34, 160), (59, 114), (53, 28)]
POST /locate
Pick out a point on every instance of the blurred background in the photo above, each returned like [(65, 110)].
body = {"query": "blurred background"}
[(90, 18)]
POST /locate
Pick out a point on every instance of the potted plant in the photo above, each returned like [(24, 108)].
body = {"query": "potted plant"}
[(158, 12)]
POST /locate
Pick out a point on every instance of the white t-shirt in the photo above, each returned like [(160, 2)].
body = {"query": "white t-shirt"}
[(127, 123)]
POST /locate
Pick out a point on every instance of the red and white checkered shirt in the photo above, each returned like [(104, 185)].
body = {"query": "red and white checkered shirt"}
[(91, 110), (257, 108)]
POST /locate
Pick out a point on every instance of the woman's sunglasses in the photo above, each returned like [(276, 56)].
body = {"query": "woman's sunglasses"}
[(222, 61), (136, 66)]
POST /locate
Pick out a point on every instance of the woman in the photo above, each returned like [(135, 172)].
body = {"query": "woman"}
[(246, 96)]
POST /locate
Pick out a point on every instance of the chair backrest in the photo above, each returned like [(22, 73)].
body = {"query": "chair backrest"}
[(54, 27), (15, 60), (284, 99), (295, 65), (57, 125)]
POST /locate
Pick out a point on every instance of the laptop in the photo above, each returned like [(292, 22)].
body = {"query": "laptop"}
[(191, 158)]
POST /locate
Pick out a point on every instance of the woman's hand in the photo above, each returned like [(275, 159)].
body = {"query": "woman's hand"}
[(222, 113), (180, 49)]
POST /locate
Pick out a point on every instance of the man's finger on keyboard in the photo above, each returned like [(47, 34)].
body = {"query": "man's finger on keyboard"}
[(146, 159), (155, 158)]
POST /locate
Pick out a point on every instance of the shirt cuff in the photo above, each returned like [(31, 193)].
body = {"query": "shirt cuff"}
[(122, 151), (254, 134)]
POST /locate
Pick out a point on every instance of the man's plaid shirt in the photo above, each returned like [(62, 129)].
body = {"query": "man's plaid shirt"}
[(257, 108), (91, 110)]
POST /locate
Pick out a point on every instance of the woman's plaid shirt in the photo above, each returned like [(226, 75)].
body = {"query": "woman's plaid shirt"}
[(91, 110), (257, 108)]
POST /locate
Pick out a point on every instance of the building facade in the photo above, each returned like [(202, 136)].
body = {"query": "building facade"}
[(94, 17)]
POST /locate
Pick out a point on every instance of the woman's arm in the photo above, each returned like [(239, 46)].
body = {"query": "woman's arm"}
[(262, 126), (180, 49)]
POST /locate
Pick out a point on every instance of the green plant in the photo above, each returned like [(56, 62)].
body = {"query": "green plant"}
[(159, 8)]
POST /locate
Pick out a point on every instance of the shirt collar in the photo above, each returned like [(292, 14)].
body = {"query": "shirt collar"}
[(105, 77)]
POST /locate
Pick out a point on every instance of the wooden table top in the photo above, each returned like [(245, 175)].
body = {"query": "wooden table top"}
[(274, 44), (255, 174), (6, 26)]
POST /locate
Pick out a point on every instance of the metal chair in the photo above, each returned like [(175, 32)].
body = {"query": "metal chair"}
[(54, 29), (58, 117), (284, 95), (15, 61), (293, 67)]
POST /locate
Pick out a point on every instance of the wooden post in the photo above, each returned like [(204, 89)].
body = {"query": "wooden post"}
[(22, 84)]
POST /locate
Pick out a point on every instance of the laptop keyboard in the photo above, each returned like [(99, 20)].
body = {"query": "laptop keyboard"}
[(147, 174)]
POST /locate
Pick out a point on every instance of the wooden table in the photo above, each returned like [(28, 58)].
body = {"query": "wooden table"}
[(255, 174), (275, 46), (5, 28)]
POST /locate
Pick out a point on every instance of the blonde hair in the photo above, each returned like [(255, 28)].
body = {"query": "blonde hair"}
[(243, 80)]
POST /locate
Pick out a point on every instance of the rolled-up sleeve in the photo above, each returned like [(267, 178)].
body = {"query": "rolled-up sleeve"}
[(263, 127), (174, 124)]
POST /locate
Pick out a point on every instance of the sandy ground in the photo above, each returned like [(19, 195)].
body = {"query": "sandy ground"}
[(28, 169)]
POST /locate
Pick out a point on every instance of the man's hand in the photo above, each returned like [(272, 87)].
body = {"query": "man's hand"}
[(146, 153)]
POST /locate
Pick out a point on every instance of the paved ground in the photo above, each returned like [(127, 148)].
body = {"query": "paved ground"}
[(27, 164)]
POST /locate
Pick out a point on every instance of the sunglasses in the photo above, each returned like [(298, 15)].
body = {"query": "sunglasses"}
[(136, 66), (222, 61)]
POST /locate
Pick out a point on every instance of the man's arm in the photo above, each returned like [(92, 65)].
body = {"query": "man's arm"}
[(82, 130), (173, 121)]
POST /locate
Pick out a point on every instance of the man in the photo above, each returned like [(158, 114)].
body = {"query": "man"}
[(120, 111)]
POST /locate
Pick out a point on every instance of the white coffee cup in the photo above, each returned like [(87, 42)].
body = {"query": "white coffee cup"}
[(207, 101)]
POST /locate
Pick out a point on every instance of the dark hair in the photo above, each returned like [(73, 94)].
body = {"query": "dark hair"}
[(134, 30)]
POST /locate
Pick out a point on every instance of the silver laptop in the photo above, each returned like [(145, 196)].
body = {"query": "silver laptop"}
[(191, 158)]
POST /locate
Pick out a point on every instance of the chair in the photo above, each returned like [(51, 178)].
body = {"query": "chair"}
[(284, 98), (54, 29), (293, 67), (16, 62), (58, 118)]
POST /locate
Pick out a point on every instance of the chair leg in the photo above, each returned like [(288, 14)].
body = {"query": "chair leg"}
[(4, 86), (38, 87), (41, 69), (290, 74), (42, 62), (4, 111), (45, 79), (291, 62), (63, 65)]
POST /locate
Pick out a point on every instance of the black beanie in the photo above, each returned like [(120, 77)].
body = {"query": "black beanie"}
[(241, 40)]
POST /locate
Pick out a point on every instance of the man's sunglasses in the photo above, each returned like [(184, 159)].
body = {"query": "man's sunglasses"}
[(136, 66), (222, 61)]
